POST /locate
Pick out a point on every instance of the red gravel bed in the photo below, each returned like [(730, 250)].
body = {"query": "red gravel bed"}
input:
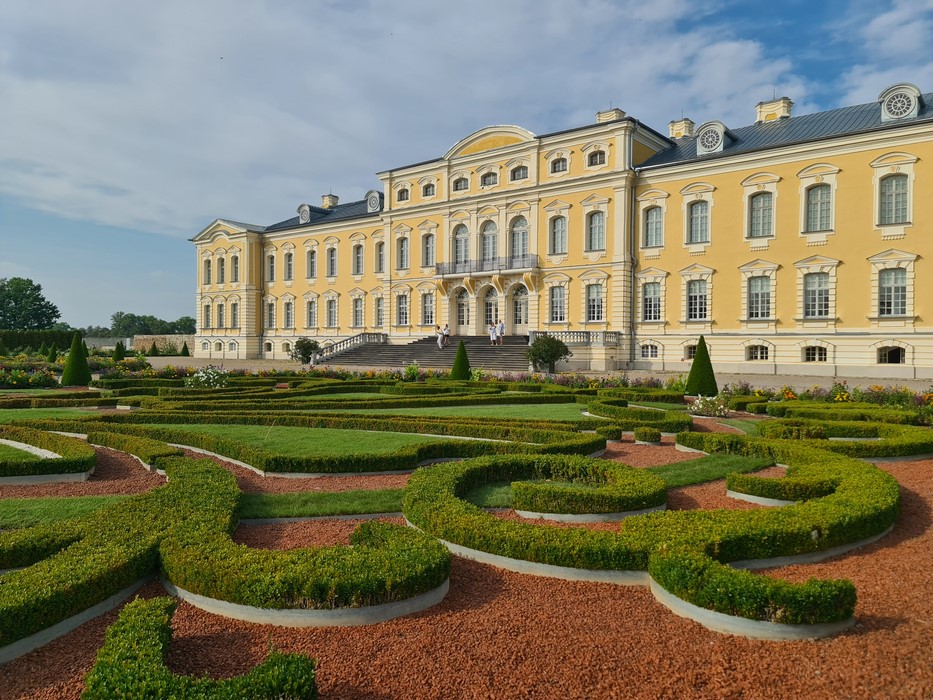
[(251, 482), (116, 473), (499, 634), (306, 533), (634, 455)]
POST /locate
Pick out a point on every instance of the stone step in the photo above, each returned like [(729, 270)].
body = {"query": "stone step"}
[(509, 357)]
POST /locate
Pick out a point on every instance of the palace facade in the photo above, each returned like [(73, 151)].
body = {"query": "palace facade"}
[(796, 245)]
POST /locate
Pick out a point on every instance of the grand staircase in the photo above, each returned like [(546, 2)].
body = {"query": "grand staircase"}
[(508, 357)]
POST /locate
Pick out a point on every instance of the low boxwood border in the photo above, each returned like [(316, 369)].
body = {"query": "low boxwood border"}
[(626, 419), (76, 456)]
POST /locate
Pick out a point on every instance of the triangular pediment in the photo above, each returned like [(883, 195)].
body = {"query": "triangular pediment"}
[(220, 228), (817, 261), (696, 269), (595, 199), (652, 272), (759, 264), (557, 205), (893, 255)]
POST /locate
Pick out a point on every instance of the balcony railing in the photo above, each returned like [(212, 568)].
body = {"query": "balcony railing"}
[(469, 267), (330, 351), (578, 338)]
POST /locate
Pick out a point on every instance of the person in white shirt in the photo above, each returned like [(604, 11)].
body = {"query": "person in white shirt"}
[(500, 331)]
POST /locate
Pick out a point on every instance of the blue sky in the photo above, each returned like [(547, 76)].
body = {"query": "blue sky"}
[(125, 128)]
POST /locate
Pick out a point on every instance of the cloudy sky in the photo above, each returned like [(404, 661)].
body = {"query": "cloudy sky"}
[(126, 127)]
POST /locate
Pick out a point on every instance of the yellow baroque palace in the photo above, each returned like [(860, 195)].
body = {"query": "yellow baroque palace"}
[(796, 245)]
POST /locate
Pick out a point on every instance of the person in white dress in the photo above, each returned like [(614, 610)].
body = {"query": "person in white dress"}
[(492, 333)]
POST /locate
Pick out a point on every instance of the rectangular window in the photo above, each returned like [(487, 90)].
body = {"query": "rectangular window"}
[(594, 302), (819, 208), (892, 295), (402, 262), (690, 351), (814, 353), (756, 352), (235, 268), (759, 297), (558, 311), (699, 223), (220, 316), (651, 301), (654, 228), (311, 314), (697, 301), (289, 266), (234, 315), (401, 309), (760, 215), (816, 295), (379, 312), (380, 257), (331, 262), (357, 260), (311, 264), (358, 312), (289, 313), (427, 309), (331, 313), (221, 271), (270, 315), (206, 318), (596, 231), (649, 352), (428, 254), (558, 235), (270, 269), (894, 200)]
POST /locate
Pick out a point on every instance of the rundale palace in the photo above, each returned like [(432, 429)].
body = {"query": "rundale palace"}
[(795, 245)]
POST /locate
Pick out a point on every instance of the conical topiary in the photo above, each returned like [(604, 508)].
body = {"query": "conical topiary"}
[(461, 368), (87, 350), (154, 350), (184, 350), (119, 352), (76, 371), (701, 381), (43, 350), (52, 355)]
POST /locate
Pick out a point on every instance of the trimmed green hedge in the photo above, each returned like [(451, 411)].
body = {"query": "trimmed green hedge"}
[(627, 419), (580, 485), (896, 440), (76, 456), (131, 664), (636, 394), (835, 412), (645, 434), (144, 448), (137, 382)]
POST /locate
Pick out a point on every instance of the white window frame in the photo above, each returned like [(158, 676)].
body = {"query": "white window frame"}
[(651, 276), (552, 157), (428, 249), (288, 265), (403, 253), (288, 314), (883, 167), (358, 311), (234, 269), (759, 268), (427, 309), (311, 312), (553, 248), (332, 262), (809, 177), (691, 274), (646, 201), (358, 259), (331, 312), (693, 194)]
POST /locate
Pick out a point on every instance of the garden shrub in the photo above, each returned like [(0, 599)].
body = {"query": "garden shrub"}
[(701, 381), (626, 419), (461, 368), (76, 372), (546, 351), (646, 434), (76, 455), (185, 352), (131, 663)]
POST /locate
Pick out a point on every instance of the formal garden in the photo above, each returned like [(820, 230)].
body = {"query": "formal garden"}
[(204, 533)]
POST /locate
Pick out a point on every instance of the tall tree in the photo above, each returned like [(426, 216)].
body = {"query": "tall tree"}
[(23, 307)]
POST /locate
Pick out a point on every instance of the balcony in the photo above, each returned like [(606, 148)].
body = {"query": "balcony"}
[(492, 266)]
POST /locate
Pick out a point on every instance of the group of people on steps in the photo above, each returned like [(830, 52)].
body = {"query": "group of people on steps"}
[(496, 333)]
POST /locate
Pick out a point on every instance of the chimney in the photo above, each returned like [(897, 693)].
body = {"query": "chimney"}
[(329, 201), (681, 129), (775, 109), (609, 115)]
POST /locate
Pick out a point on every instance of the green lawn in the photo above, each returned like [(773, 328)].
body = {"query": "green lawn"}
[(746, 426), (698, 471), (10, 414), (555, 411), (339, 397), (25, 512), (659, 404), (304, 442), (14, 454), (297, 505)]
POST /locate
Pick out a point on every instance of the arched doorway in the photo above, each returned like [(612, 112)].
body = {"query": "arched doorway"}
[(490, 307), (462, 313), (520, 310)]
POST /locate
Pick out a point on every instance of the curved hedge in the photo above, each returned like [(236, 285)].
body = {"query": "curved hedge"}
[(842, 412), (76, 455), (896, 440), (686, 552), (627, 419), (144, 448), (131, 663)]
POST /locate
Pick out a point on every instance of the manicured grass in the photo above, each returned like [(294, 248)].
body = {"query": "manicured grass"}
[(338, 397), (659, 404), (296, 505), (14, 454), (303, 442), (709, 468), (746, 426), (11, 414), (555, 411), (697, 471), (25, 512)]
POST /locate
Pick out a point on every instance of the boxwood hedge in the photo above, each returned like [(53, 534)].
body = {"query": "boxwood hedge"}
[(627, 419), (76, 456)]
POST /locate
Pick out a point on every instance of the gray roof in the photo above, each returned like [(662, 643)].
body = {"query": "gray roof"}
[(248, 227), (787, 131), (319, 215)]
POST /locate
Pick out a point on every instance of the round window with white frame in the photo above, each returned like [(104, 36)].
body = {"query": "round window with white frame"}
[(710, 139), (899, 105)]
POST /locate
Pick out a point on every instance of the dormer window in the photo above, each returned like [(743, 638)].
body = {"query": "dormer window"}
[(402, 195), (519, 173), (900, 102), (488, 180), (596, 158), (461, 184), (304, 214), (711, 138)]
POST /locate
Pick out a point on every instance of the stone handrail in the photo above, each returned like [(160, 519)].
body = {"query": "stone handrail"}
[(329, 351), (587, 338), (512, 262)]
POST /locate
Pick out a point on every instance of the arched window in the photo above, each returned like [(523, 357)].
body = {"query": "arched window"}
[(286, 347), (207, 272), (892, 292), (428, 252), (893, 206), (461, 184), (232, 346), (558, 238), (358, 259), (491, 306), (311, 263), (428, 190), (891, 356), (206, 317), (559, 165), (461, 245), (235, 268), (331, 262), (519, 242), (402, 195), (221, 271), (463, 308), (220, 315), (380, 257), (654, 227), (205, 345), (760, 223), (270, 314), (401, 260), (699, 222), (289, 266), (819, 208), (520, 307), (596, 158), (596, 231), (519, 173), (234, 315), (268, 346), (759, 297), (489, 242), (489, 179)]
